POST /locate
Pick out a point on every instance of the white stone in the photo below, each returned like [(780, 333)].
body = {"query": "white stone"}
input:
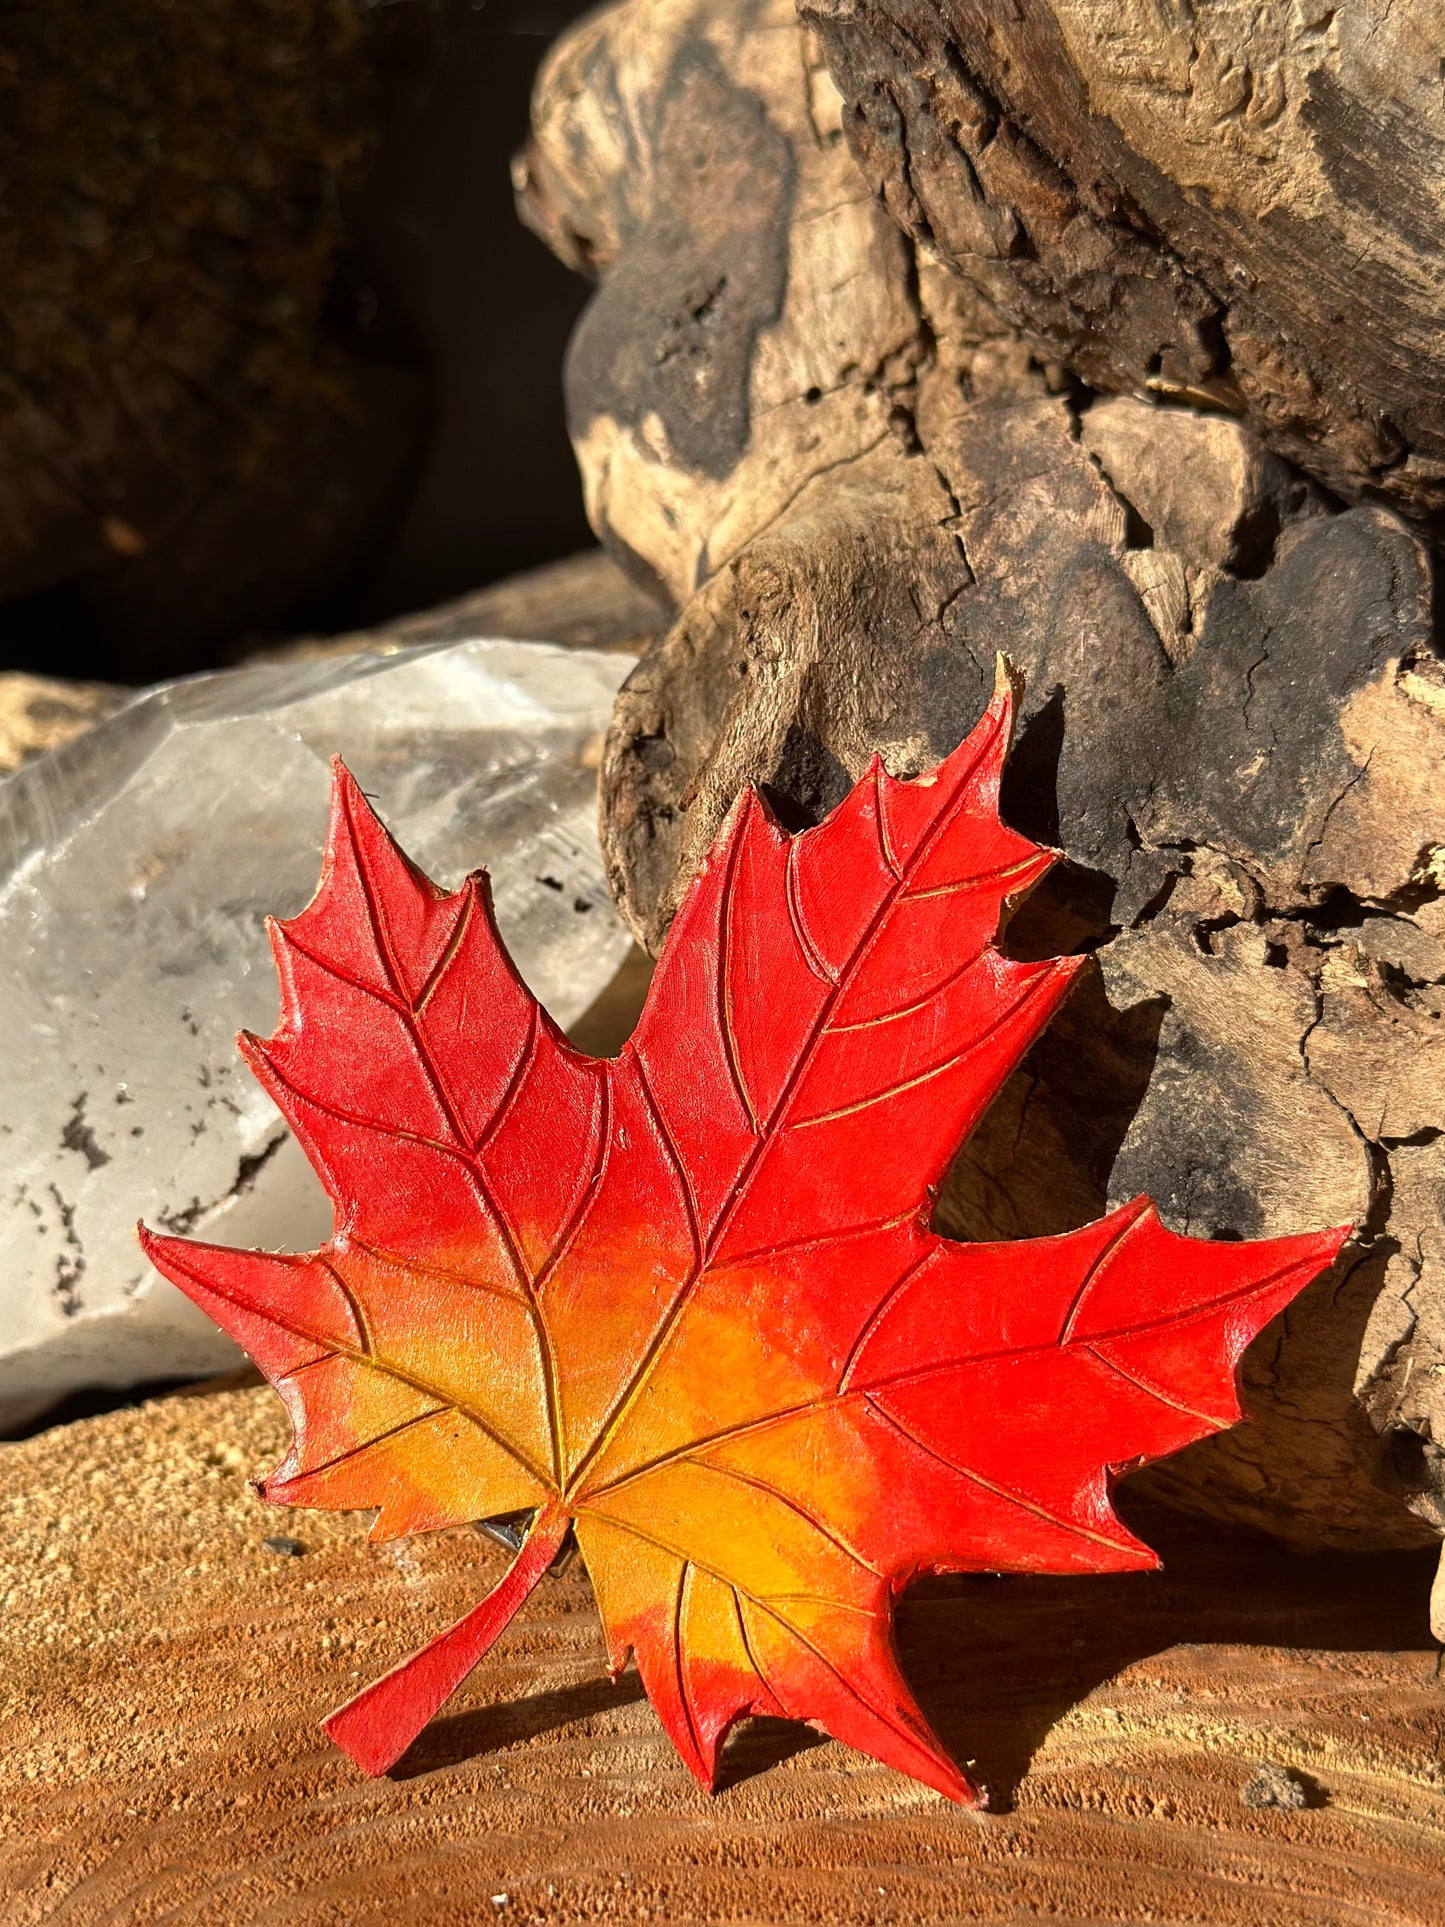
[(136, 867)]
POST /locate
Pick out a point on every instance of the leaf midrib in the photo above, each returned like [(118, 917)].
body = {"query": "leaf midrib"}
[(382, 938), (1007, 1354), (642, 1372)]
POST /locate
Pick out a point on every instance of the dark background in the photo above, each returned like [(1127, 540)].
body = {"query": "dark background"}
[(492, 309), (434, 275)]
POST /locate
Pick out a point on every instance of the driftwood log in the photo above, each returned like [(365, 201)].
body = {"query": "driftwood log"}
[(1240, 204), (1002, 389)]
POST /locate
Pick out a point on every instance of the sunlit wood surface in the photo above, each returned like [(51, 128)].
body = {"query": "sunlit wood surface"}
[(162, 1676)]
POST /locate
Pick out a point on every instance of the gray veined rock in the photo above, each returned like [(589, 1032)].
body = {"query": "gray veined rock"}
[(137, 866)]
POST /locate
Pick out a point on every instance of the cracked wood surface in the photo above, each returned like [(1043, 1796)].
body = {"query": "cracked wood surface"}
[(1233, 717), (1242, 205), (160, 1760)]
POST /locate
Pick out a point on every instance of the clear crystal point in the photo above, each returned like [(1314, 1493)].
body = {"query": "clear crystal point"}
[(137, 866)]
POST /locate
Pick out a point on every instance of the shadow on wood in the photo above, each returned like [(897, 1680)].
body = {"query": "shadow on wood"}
[(757, 1746), (997, 1662), (485, 1729)]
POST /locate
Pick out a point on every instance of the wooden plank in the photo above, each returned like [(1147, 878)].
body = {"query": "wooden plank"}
[(163, 1675)]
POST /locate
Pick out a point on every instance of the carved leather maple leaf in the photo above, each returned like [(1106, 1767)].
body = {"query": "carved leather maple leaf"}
[(689, 1300)]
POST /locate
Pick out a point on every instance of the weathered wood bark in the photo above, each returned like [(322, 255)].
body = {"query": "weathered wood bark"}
[(192, 426), (859, 479), (1241, 203), (163, 1674), (39, 713)]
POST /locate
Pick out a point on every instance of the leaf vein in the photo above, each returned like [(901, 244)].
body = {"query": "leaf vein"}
[(588, 1192), (452, 946), (724, 979), (940, 989), (793, 1505), (989, 1485), (937, 1070), (763, 1252), (329, 1345), (752, 1162), (1152, 1391), (812, 956), (679, 1664)]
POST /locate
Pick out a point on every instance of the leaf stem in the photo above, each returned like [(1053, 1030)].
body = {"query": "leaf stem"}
[(380, 1723)]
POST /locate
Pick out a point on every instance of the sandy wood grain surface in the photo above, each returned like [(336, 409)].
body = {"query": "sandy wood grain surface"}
[(162, 1676)]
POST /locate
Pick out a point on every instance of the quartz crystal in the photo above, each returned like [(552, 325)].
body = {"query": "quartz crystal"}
[(137, 866)]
